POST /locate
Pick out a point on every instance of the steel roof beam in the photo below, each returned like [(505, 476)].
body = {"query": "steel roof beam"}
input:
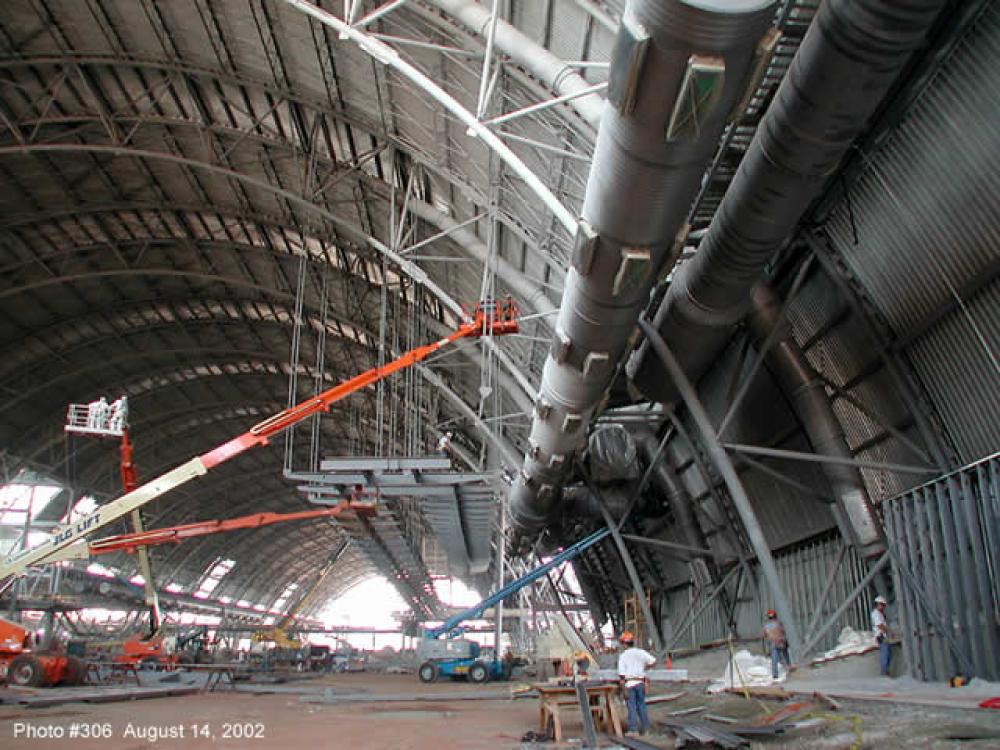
[(409, 268)]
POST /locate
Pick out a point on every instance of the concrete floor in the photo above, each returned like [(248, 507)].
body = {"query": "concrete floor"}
[(285, 720)]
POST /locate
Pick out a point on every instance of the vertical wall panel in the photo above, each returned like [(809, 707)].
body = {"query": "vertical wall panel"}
[(926, 219), (945, 538), (803, 572)]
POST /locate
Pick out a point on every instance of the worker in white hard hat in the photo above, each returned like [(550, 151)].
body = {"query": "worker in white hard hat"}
[(444, 444), (881, 629)]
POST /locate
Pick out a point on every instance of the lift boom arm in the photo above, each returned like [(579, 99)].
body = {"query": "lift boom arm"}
[(140, 540), (489, 319), (514, 586)]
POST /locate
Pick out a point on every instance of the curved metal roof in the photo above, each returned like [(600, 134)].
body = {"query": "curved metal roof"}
[(172, 173), (165, 168)]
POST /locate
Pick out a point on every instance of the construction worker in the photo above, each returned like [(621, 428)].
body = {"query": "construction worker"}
[(119, 412), (581, 666), (881, 629), (444, 445), (632, 665), (97, 414), (774, 633)]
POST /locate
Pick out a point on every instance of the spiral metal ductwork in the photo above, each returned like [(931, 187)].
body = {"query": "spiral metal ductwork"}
[(673, 492), (849, 58), (807, 394), (677, 71)]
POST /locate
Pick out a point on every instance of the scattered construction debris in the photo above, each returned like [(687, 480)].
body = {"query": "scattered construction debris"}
[(633, 743), (702, 733)]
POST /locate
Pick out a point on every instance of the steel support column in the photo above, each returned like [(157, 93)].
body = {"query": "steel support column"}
[(725, 467), (626, 556)]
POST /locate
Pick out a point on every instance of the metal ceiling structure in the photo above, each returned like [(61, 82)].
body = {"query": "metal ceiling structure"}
[(215, 206)]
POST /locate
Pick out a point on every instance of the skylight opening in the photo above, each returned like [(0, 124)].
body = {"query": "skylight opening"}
[(16, 500), (219, 570), (279, 605)]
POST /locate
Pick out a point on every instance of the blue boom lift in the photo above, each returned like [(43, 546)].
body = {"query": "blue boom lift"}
[(454, 656)]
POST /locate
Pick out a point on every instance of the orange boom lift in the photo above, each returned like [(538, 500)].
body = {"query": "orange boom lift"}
[(489, 318)]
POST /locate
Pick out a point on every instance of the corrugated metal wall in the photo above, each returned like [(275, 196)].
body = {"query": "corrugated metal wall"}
[(927, 219), (946, 534), (804, 571)]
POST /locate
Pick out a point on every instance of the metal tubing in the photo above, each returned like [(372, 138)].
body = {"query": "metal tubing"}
[(633, 575), (674, 492), (756, 450), (385, 54), (487, 60), (855, 593), (638, 190), (807, 396), (542, 106), (736, 491), (847, 62), (697, 551), (526, 53), (771, 337)]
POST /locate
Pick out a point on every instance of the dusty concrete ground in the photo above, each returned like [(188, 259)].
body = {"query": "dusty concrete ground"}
[(282, 720)]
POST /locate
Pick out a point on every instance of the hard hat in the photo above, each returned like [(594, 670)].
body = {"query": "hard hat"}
[(771, 613), (880, 599), (581, 655), (626, 636)]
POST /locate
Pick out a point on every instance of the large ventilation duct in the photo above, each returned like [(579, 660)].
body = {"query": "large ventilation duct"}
[(807, 394), (849, 58), (677, 71), (674, 494)]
